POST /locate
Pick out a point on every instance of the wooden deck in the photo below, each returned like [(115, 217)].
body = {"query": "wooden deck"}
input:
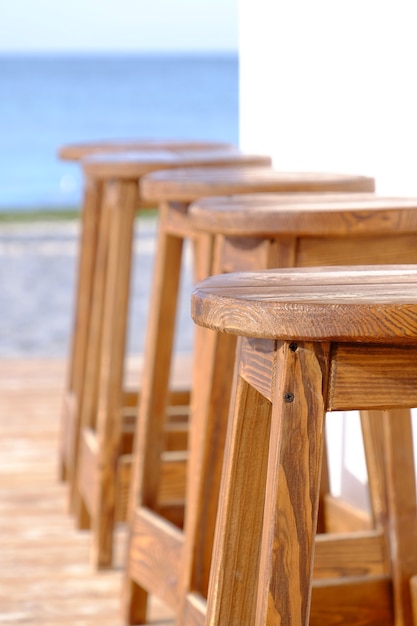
[(45, 576)]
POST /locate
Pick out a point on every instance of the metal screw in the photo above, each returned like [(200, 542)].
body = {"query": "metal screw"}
[(288, 397)]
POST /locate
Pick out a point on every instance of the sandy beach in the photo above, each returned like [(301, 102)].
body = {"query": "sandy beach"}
[(38, 262)]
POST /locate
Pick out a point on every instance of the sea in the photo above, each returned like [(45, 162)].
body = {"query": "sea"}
[(47, 101)]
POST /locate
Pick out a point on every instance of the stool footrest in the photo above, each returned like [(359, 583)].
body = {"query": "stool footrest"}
[(379, 364), (68, 422), (88, 470), (352, 601), (176, 430), (351, 554), (176, 397), (195, 609), (155, 554), (173, 477), (341, 516)]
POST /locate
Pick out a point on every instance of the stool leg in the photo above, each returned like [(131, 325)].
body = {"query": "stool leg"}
[(292, 490), (402, 508), (112, 357), (272, 547), (70, 421), (413, 588), (210, 408), (372, 424), (203, 250), (157, 365), (241, 502), (324, 490), (149, 435), (390, 460), (88, 399), (134, 601)]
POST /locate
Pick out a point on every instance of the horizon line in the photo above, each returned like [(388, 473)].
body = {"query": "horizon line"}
[(117, 51)]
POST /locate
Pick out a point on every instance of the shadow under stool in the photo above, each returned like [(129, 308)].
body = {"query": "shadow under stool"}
[(93, 193), (100, 447), (312, 340), (154, 559)]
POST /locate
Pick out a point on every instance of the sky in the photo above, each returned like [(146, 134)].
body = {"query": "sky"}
[(118, 25)]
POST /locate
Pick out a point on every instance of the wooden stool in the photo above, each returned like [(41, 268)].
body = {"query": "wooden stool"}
[(175, 190), (270, 230), (90, 211), (98, 438), (312, 340)]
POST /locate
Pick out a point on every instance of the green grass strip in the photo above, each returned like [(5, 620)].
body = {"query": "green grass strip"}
[(58, 215), (38, 215)]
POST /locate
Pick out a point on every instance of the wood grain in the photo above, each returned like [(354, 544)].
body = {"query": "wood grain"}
[(98, 350), (352, 602), (191, 183), (342, 303), (240, 513), (381, 368), (154, 556), (132, 165), (302, 381), (304, 214), (77, 151), (45, 574)]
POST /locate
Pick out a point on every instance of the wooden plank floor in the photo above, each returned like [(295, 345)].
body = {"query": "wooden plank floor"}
[(45, 576)]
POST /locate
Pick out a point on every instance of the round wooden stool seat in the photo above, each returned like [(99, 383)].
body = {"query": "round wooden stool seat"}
[(312, 340), (134, 164), (304, 214), (376, 304), (77, 151), (186, 185)]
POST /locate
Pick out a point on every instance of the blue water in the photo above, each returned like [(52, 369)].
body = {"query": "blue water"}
[(47, 101)]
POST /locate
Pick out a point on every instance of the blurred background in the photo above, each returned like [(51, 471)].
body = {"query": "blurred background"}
[(87, 70), (90, 70)]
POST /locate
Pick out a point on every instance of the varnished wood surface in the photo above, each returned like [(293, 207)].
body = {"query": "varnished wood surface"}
[(305, 214), (77, 151), (293, 451), (45, 575), (133, 164), (273, 303), (188, 184)]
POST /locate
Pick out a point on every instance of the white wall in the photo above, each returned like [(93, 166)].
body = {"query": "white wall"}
[(332, 85)]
